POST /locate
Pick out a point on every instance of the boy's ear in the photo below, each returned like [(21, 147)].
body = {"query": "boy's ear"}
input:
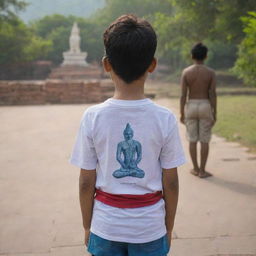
[(106, 64), (152, 66)]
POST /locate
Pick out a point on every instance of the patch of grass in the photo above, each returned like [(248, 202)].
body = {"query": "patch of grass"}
[(236, 120), (236, 90)]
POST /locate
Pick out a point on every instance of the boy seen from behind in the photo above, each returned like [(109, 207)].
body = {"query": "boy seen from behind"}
[(198, 107), (128, 149)]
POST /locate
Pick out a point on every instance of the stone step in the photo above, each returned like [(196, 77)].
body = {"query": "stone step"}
[(76, 72)]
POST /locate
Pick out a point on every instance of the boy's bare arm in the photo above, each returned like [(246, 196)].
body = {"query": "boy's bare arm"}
[(213, 97), (170, 193), (183, 98), (87, 182)]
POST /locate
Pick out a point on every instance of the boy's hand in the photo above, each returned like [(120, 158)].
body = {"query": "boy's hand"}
[(87, 181), (182, 119), (214, 119), (169, 236), (86, 237)]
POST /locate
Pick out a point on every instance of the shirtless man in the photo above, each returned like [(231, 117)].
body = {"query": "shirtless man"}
[(198, 113)]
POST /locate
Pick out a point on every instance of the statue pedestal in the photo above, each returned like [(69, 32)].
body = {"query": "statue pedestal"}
[(75, 59), (76, 72)]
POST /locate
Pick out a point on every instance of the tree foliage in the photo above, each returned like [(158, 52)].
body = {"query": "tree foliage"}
[(228, 24), (178, 23), (10, 8), (114, 8), (215, 22), (19, 44), (245, 65), (57, 29), (13, 41)]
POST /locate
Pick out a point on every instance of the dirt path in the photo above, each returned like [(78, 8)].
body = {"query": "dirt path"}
[(39, 205)]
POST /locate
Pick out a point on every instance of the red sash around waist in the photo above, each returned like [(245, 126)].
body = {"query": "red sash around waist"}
[(128, 201)]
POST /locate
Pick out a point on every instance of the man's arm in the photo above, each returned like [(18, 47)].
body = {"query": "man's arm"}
[(183, 98), (87, 182), (213, 96), (170, 193)]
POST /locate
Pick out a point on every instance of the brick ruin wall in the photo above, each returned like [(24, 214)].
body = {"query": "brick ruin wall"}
[(53, 91)]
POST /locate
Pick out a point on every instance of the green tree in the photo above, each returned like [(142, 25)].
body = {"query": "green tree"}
[(14, 39), (222, 54), (37, 49), (45, 26), (245, 67), (92, 40), (57, 28), (114, 8), (170, 40), (59, 38), (228, 25), (19, 44), (215, 22), (146, 9), (9, 9)]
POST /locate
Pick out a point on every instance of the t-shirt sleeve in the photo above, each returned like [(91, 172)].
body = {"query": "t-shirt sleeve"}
[(84, 155), (172, 154)]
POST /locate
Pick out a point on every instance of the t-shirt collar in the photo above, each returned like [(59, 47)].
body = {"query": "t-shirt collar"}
[(129, 102)]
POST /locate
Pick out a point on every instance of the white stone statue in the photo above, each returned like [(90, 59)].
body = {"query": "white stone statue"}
[(74, 57), (74, 40)]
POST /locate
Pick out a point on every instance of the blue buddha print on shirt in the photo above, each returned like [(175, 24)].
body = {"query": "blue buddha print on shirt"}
[(129, 154)]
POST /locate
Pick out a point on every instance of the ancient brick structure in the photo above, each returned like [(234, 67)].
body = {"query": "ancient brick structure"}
[(76, 72), (53, 91), (35, 70)]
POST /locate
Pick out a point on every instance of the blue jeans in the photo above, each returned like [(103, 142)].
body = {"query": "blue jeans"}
[(98, 246)]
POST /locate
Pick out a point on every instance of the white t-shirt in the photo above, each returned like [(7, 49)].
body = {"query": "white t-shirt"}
[(128, 143)]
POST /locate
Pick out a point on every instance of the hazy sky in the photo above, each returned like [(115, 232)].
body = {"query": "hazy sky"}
[(40, 8)]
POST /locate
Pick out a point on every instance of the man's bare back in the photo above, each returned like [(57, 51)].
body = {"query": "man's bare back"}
[(199, 79), (198, 94)]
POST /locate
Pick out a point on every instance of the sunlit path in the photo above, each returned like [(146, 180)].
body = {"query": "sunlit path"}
[(40, 212)]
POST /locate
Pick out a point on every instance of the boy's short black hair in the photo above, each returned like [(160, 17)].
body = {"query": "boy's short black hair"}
[(130, 45), (199, 51)]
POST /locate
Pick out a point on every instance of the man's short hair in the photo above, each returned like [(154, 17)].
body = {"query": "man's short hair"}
[(199, 51), (130, 45)]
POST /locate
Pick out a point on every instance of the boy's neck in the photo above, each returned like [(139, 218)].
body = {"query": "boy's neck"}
[(132, 91), (199, 62)]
